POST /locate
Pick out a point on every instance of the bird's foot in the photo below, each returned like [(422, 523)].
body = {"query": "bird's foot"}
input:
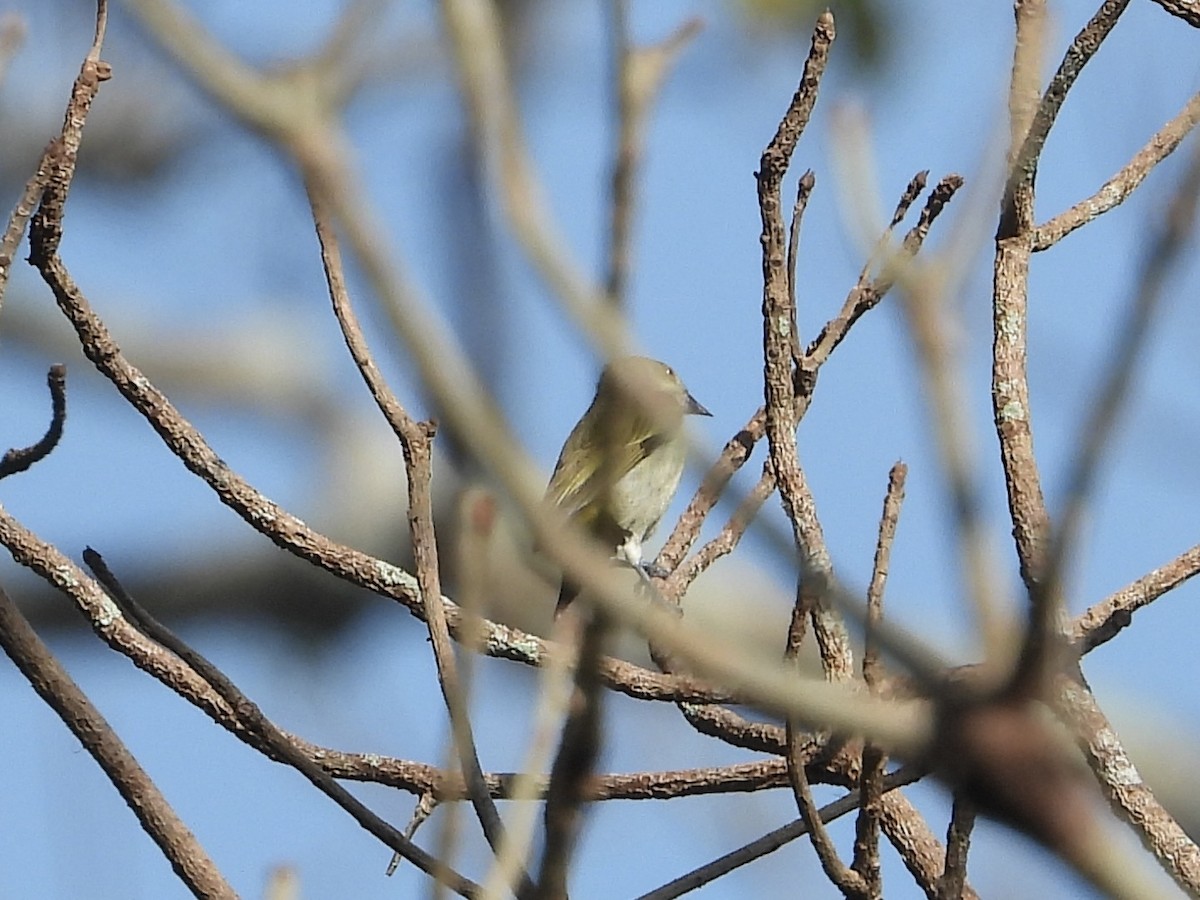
[(654, 570)]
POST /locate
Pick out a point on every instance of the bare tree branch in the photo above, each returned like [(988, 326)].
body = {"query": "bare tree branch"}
[(1105, 620), (280, 747), (1128, 795), (958, 842), (416, 440), (1182, 9), (770, 842), (186, 855), (1031, 120), (1117, 189), (18, 460)]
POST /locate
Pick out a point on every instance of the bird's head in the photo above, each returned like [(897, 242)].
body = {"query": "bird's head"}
[(649, 384)]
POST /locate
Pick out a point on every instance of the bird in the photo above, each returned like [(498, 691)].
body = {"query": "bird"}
[(622, 462)]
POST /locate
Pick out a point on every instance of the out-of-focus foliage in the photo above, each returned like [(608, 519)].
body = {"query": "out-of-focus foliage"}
[(862, 24)]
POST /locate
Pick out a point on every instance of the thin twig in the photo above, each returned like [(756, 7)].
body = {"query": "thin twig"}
[(872, 670), (866, 840), (49, 184), (31, 196), (869, 290), (771, 841), (1118, 188), (849, 882), (447, 784), (804, 189), (724, 543), (18, 460), (1103, 621), (416, 441)]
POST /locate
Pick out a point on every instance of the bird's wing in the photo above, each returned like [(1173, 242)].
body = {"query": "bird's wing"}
[(576, 491)]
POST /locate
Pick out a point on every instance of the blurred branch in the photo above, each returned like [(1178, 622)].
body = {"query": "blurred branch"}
[(928, 315), (12, 36), (639, 73), (1128, 796), (555, 694), (579, 747), (476, 40), (477, 518)]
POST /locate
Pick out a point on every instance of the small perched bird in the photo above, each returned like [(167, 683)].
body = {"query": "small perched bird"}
[(622, 462)]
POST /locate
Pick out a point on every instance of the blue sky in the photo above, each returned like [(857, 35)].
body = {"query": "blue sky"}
[(225, 235)]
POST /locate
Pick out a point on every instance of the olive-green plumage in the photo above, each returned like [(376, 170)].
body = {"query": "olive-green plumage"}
[(622, 462)]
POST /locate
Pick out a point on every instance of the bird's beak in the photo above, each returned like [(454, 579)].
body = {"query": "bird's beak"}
[(694, 408)]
